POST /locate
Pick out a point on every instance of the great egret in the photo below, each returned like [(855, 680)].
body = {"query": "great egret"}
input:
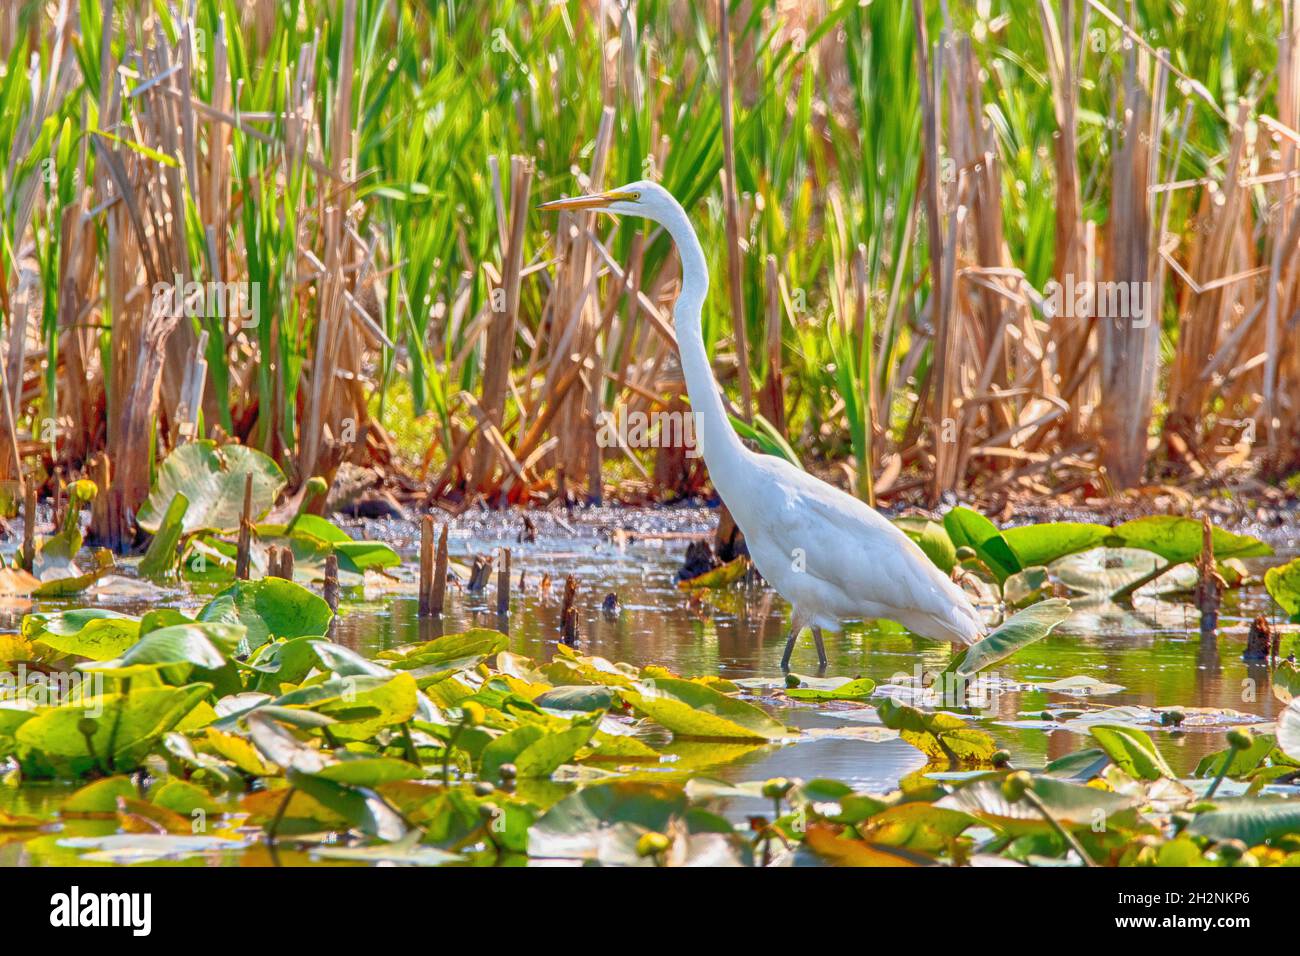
[(830, 555)]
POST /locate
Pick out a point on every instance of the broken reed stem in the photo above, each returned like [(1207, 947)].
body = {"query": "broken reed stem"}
[(331, 589), (1209, 585), (286, 563), (439, 576), (242, 555), (426, 565), (503, 584), (1261, 642), (29, 525), (569, 613)]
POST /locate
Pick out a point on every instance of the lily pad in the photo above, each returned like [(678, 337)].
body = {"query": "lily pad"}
[(269, 609), (212, 478), (1030, 625), (1178, 539), (692, 710), (94, 633), (1283, 584), (859, 689), (1131, 750), (1252, 820), (972, 530)]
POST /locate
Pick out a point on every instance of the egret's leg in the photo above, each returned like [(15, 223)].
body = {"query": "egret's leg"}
[(789, 646), (821, 647), (797, 624)]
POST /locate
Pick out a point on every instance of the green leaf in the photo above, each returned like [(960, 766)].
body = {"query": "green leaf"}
[(183, 797), (447, 651), (99, 797), (940, 735), (1283, 584), (277, 743), (971, 529), (1252, 820), (692, 710), (1041, 544), (212, 478), (1074, 805), (203, 645), (917, 826), (360, 556), (163, 555), (120, 722), (931, 537), (363, 714), (1178, 539), (586, 697), (1239, 762), (1026, 587), (722, 576), (362, 808), (603, 822), (859, 689), (270, 609), (370, 771), (536, 752), (1131, 750), (94, 633), (1032, 624)]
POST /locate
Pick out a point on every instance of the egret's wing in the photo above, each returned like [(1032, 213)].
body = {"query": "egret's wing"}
[(847, 543)]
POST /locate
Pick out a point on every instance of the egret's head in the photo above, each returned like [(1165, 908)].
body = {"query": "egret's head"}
[(641, 198)]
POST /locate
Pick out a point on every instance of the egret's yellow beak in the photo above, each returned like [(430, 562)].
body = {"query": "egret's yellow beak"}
[(594, 201)]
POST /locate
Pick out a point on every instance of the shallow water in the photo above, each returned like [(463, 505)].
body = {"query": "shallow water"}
[(1155, 652)]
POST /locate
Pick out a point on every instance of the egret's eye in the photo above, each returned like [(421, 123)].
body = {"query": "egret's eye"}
[(636, 197)]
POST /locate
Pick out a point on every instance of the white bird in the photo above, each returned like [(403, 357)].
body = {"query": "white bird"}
[(832, 556)]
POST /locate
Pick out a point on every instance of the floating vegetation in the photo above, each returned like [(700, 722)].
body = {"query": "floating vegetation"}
[(243, 725)]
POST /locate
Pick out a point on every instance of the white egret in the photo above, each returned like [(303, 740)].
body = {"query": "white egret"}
[(832, 556)]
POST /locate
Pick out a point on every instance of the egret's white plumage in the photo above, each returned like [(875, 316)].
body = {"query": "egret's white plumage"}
[(830, 555)]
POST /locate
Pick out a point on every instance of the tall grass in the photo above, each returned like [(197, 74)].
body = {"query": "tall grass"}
[(368, 168)]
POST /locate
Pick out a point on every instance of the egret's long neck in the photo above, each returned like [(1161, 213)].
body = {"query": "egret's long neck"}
[(719, 442)]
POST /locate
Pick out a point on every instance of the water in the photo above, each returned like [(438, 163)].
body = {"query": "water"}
[(1155, 653)]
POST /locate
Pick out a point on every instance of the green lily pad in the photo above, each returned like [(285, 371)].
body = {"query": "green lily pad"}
[(212, 478), (94, 633), (1283, 584), (940, 735), (1178, 539), (859, 689), (1041, 544), (1032, 624), (692, 710), (535, 751), (1252, 820), (118, 722), (269, 609), (1131, 750), (972, 530)]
